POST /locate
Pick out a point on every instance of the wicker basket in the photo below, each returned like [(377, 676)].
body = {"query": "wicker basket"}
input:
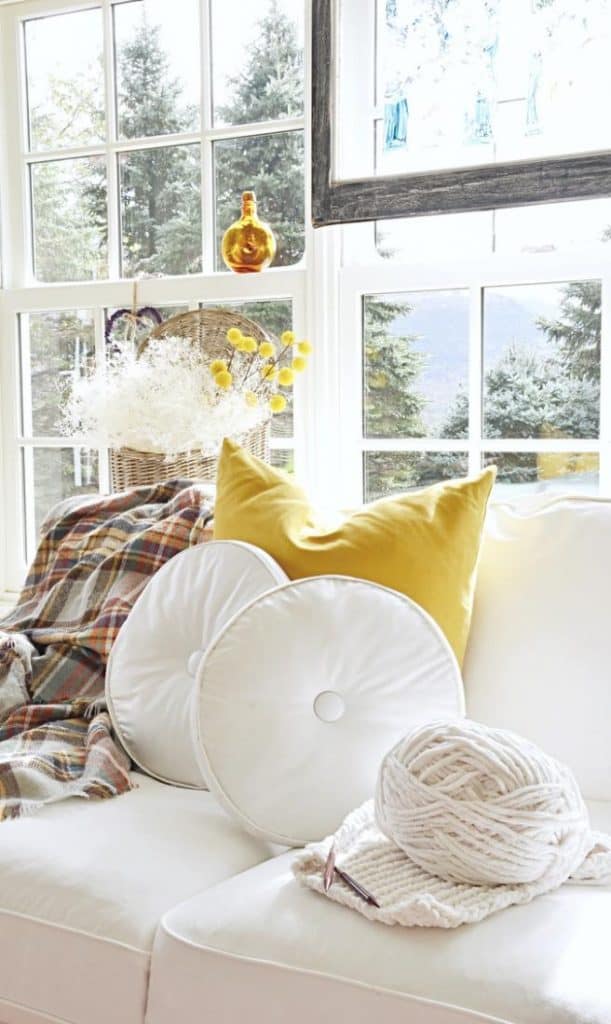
[(206, 328)]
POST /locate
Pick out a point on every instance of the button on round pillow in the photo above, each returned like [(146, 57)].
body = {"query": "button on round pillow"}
[(303, 693), (153, 663)]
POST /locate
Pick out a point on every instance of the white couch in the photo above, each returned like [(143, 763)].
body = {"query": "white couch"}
[(155, 907)]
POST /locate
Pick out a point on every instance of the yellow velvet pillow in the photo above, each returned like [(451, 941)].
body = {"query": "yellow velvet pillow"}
[(424, 544)]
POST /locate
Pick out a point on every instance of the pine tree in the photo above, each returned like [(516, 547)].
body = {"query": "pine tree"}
[(160, 188), (270, 87), (530, 397), (576, 332), (392, 404)]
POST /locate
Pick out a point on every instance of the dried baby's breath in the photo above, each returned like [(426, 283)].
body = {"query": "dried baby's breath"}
[(165, 400)]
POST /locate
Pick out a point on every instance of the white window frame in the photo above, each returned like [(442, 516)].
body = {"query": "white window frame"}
[(381, 276), (313, 306), (364, 271), (340, 267), (20, 272)]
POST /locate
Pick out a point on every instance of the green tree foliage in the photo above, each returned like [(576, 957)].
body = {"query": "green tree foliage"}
[(70, 237), (61, 344), (392, 404), (160, 188), (395, 472), (69, 112), (70, 242), (531, 396), (576, 332), (269, 87), (527, 396)]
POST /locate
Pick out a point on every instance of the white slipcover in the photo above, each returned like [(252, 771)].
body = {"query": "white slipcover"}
[(83, 885), (261, 948)]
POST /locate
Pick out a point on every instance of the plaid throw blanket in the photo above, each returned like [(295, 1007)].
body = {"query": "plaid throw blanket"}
[(94, 559)]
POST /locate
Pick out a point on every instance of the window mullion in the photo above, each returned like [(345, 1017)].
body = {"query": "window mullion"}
[(16, 222), (11, 496), (112, 163), (345, 372), (476, 379), (605, 386), (99, 320), (250, 128), (207, 154)]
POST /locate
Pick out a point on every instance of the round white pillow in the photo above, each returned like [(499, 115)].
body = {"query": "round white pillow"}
[(302, 694), (153, 663)]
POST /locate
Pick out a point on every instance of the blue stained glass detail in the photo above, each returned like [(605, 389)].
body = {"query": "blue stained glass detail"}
[(533, 124), (395, 124)]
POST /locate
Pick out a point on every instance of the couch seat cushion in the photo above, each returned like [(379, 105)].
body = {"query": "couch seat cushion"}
[(263, 949), (83, 886)]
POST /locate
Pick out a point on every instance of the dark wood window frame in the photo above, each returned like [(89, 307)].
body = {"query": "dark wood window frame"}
[(492, 186)]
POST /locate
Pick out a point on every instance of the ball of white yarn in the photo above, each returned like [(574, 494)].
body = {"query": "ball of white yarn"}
[(481, 806)]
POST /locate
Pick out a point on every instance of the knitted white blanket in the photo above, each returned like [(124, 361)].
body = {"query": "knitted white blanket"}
[(467, 820), (410, 896)]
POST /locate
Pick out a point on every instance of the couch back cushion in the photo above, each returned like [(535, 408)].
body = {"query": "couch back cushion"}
[(539, 654)]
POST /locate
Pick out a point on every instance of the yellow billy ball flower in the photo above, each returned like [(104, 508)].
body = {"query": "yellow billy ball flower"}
[(287, 337), (305, 348), (251, 399), (299, 363), (234, 336), (268, 372), (223, 380), (277, 403), (267, 350), (249, 344), (286, 377), (217, 366)]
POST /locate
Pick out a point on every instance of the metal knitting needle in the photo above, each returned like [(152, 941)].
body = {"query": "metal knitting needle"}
[(359, 889), (331, 869)]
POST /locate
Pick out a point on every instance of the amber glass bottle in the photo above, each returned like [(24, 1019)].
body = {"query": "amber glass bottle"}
[(248, 245)]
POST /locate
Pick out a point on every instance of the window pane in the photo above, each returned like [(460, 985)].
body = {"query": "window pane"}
[(544, 472), (161, 211), (62, 348), (120, 325), (273, 166), (65, 79), (274, 316), (415, 359), (283, 458), (434, 239), (542, 360), (60, 473), (69, 211), (157, 67), (386, 473), (551, 227), (257, 60)]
